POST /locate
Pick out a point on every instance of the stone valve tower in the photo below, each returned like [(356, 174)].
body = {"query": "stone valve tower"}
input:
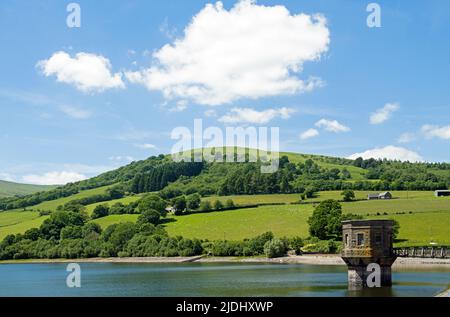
[(368, 242)]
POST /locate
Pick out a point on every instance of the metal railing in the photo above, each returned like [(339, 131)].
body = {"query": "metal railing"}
[(438, 252)]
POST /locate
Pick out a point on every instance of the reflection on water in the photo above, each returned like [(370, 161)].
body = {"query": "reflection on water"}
[(207, 279)]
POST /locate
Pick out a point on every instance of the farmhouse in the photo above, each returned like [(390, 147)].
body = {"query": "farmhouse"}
[(385, 195), (442, 193)]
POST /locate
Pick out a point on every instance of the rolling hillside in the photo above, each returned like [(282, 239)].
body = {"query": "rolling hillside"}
[(423, 217), (9, 189)]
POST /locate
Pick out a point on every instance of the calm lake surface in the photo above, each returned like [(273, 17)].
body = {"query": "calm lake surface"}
[(206, 279)]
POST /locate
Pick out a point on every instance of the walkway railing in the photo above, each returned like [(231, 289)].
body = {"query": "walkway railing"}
[(423, 252)]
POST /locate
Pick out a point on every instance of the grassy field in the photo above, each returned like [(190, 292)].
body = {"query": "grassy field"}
[(428, 222), (413, 196), (53, 204), (256, 199), (12, 218), (290, 220), (110, 220), (8, 189), (422, 228), (245, 223), (14, 222), (356, 172)]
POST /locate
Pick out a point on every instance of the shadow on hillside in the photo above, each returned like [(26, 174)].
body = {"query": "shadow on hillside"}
[(165, 221)]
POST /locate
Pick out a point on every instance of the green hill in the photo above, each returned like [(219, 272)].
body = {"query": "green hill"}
[(274, 198), (298, 173), (9, 189)]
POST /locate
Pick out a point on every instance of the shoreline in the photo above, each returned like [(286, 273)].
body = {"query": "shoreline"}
[(400, 263)]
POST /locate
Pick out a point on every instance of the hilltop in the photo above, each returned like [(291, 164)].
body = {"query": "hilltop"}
[(9, 189)]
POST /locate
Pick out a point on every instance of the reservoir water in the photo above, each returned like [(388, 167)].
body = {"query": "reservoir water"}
[(207, 279)]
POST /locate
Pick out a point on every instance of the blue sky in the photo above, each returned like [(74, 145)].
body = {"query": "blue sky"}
[(58, 122)]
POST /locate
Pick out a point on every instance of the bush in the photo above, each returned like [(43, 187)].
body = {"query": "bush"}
[(296, 245), (348, 195), (193, 201), (229, 204), (321, 246), (326, 220), (71, 232), (152, 202), (117, 209), (256, 244), (188, 247), (218, 205), (149, 216), (116, 237), (179, 205), (205, 206), (275, 248), (100, 211), (310, 192)]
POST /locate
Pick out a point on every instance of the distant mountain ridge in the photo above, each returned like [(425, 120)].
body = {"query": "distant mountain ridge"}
[(10, 189)]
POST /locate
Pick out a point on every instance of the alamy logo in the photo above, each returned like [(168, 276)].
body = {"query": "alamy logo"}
[(374, 278), (73, 280), (249, 144), (74, 18), (374, 18)]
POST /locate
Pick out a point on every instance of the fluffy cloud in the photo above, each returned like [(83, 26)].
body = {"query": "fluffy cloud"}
[(249, 51), (87, 72), (54, 178), (389, 152), (434, 131), (210, 113), (74, 112), (332, 126), (308, 134), (383, 114), (180, 106), (406, 138), (248, 115)]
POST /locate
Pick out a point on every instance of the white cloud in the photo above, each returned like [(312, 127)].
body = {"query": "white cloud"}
[(389, 152), (53, 178), (406, 138), (308, 134), (6, 177), (74, 112), (146, 146), (332, 126), (434, 131), (180, 106), (248, 115), (87, 72), (210, 113), (249, 51), (169, 31), (383, 114)]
